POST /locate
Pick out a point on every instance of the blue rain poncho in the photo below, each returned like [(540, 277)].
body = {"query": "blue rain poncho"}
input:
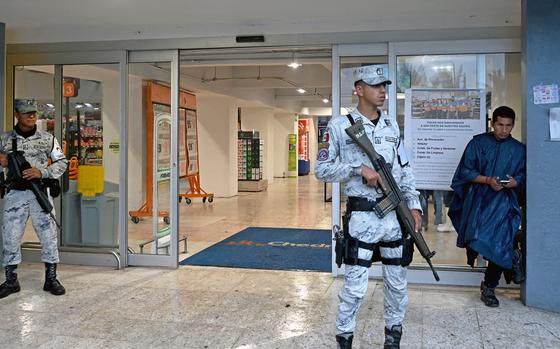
[(486, 221)]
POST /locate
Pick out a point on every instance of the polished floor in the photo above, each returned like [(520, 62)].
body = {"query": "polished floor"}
[(288, 202), (203, 307)]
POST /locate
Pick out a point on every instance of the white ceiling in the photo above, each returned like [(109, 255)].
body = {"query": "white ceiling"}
[(34, 21)]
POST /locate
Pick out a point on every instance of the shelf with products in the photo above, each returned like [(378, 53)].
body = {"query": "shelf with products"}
[(250, 150), (83, 132)]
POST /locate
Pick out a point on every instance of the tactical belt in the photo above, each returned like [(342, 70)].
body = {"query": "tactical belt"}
[(381, 207), (355, 203), (362, 204)]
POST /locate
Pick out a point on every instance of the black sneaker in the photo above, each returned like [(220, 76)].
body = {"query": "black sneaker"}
[(488, 296)]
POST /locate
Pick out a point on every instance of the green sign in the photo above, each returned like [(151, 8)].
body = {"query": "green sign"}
[(292, 155)]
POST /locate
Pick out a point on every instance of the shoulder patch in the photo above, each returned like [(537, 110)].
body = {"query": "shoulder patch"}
[(323, 154)]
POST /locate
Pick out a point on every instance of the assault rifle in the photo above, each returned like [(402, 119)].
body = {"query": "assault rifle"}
[(18, 164), (392, 198)]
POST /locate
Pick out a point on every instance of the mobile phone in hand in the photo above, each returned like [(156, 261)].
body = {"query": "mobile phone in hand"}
[(503, 181)]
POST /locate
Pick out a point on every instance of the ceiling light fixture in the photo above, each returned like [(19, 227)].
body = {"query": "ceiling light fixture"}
[(325, 100), (301, 90)]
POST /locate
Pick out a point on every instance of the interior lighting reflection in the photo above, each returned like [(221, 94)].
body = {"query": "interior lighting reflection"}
[(294, 65), (301, 90), (442, 67)]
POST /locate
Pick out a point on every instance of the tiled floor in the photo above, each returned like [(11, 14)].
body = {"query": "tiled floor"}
[(201, 307)]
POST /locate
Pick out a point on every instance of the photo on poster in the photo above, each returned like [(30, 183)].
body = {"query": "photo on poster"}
[(446, 104)]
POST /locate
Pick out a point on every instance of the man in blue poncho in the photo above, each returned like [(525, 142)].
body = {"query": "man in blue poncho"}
[(485, 210)]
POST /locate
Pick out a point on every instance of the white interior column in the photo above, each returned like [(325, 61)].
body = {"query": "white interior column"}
[(283, 124), (217, 145)]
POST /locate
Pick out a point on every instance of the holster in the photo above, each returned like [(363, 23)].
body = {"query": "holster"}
[(53, 185)]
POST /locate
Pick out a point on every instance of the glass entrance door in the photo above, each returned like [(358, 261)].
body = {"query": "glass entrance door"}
[(153, 158)]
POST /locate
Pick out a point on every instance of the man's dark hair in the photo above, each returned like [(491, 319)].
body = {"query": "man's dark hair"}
[(504, 112)]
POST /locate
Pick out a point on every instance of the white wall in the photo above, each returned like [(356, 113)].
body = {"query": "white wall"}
[(283, 125), (137, 147), (261, 119), (217, 145)]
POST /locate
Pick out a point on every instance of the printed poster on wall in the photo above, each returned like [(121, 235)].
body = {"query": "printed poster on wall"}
[(438, 125)]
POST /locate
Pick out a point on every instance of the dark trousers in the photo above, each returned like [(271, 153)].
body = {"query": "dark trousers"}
[(492, 275)]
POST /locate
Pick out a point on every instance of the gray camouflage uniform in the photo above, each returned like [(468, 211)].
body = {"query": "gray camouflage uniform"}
[(341, 161), (20, 204)]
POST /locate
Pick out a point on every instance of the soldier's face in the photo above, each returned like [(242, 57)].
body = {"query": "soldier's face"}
[(374, 94), (26, 120)]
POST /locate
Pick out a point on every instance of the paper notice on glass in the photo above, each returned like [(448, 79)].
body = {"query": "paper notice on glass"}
[(545, 94), (554, 121)]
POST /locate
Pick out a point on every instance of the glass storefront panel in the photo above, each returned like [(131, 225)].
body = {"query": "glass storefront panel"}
[(88, 118), (36, 82), (452, 88), (90, 131)]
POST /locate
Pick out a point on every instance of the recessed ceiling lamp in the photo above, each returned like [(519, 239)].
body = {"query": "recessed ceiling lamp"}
[(325, 100), (301, 90)]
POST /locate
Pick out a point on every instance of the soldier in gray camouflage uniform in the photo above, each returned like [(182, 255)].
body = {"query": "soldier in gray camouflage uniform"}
[(20, 202), (341, 160)]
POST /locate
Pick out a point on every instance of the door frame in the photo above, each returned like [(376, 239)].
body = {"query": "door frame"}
[(417, 273), (171, 260)]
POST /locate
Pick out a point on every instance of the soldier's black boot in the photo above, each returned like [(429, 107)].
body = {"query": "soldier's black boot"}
[(344, 340), (488, 296), (11, 285), (52, 285), (393, 337)]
